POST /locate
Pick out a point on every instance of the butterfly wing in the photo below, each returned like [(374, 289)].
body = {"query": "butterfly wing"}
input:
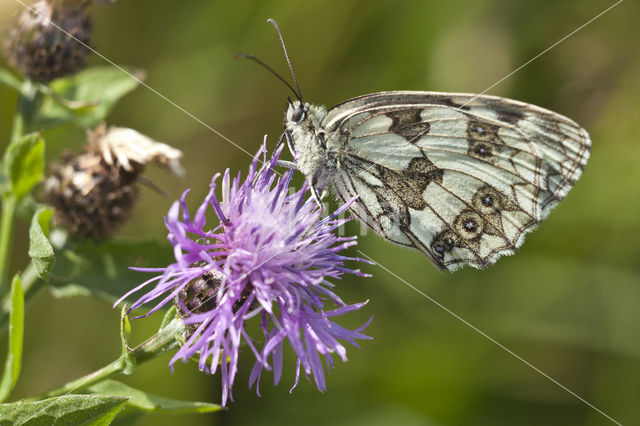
[(460, 177)]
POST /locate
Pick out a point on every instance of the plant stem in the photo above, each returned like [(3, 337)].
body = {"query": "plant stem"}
[(6, 233), (23, 122), (28, 104), (160, 343), (29, 279), (17, 129)]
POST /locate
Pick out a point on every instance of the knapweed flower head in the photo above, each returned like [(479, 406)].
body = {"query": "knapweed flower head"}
[(49, 38), (93, 192), (270, 257)]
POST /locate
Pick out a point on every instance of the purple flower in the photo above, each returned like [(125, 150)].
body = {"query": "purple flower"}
[(270, 258)]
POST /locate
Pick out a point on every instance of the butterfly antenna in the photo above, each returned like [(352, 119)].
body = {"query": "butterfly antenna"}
[(286, 55), (271, 70)]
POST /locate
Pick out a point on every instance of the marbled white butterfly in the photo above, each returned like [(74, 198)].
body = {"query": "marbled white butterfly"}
[(460, 177)]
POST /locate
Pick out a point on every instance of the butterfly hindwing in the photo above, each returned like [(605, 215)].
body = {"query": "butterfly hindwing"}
[(460, 177)]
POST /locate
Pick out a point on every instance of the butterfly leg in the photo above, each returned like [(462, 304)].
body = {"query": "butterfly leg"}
[(286, 164), (283, 163), (280, 141), (317, 196), (290, 145)]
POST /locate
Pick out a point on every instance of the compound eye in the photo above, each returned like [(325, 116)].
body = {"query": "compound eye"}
[(298, 115)]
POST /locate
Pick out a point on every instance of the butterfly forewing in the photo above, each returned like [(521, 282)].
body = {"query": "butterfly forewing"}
[(460, 177)]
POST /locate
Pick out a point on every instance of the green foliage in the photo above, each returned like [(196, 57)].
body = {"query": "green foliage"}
[(13, 362), (125, 331), (150, 402), (94, 410), (27, 207), (567, 302), (169, 316), (102, 270), (40, 249), (23, 165), (8, 79), (85, 99)]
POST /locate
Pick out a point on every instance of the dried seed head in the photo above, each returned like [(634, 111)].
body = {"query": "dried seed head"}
[(39, 49), (93, 192), (123, 148)]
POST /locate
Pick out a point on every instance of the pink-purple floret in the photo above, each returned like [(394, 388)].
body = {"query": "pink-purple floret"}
[(275, 251)]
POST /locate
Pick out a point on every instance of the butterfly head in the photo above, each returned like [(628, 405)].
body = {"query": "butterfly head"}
[(302, 124), (303, 120), (306, 137), (296, 112)]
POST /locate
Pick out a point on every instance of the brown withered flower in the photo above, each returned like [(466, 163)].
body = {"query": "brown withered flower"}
[(38, 48), (93, 192)]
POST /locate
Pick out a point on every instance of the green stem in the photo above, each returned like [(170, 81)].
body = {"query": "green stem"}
[(28, 104), (17, 129), (31, 285), (23, 122), (160, 343), (6, 235), (29, 279)]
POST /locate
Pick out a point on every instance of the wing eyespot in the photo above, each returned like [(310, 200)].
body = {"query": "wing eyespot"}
[(471, 225), (483, 150), (460, 177)]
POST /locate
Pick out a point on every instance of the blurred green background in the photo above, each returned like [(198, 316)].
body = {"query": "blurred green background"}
[(568, 302)]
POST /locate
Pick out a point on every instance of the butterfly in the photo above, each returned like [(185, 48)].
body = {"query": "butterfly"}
[(460, 177)]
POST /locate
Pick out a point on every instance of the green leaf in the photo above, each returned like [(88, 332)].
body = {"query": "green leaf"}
[(24, 164), (27, 207), (86, 98), (16, 331), (102, 271), (8, 79), (169, 316), (40, 249), (150, 402), (94, 410), (77, 107)]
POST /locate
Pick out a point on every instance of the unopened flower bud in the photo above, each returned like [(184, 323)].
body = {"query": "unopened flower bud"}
[(93, 192), (199, 295)]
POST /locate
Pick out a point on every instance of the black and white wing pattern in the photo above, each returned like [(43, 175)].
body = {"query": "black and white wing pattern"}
[(460, 177)]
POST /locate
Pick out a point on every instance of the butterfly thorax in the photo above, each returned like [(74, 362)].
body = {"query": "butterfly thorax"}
[(308, 140)]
